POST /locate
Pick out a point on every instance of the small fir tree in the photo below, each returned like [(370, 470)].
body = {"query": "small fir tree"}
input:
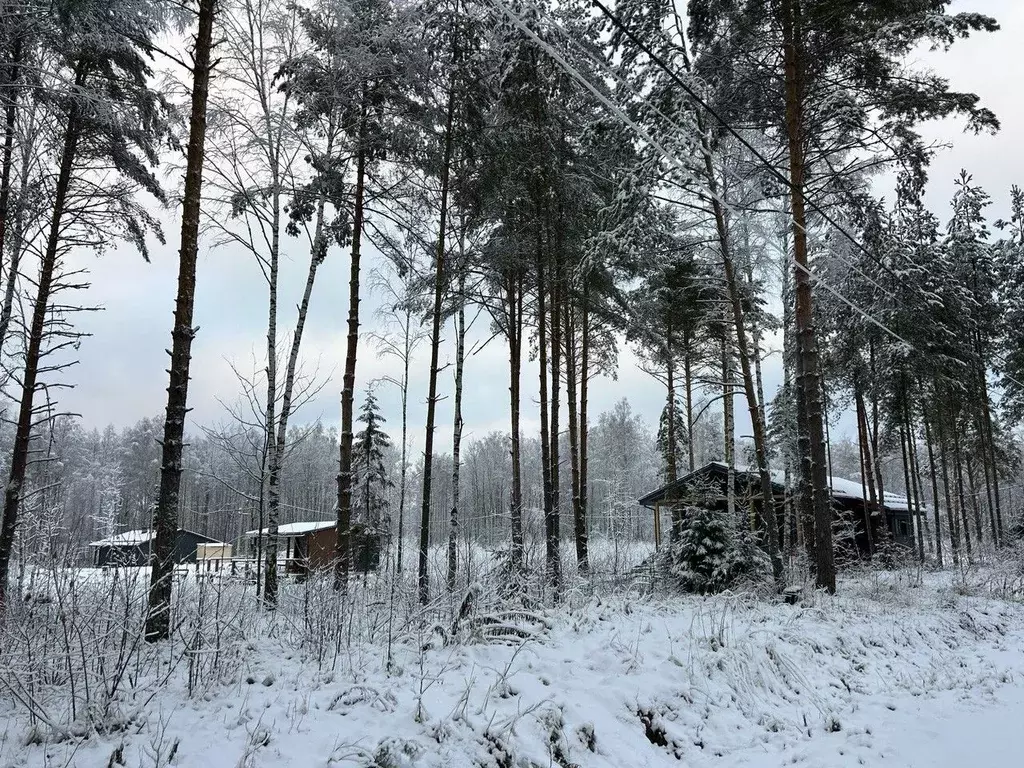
[(373, 483)]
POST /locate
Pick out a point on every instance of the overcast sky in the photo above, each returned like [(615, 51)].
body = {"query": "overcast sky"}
[(121, 377)]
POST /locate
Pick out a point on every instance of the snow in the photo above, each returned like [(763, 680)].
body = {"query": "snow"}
[(124, 539), (890, 673), (296, 529), (841, 487)]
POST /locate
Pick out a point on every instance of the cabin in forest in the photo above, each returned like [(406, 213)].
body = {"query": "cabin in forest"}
[(708, 486), (134, 548), (310, 546)]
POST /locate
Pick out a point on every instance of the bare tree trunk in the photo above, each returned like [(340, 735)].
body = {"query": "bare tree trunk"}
[(318, 253), (515, 345), (813, 441), (270, 414), (583, 427), (13, 89), (688, 385), (972, 489), (403, 476), (440, 276), (919, 516), (343, 551), (869, 500), (867, 473), (545, 433), (460, 354), (37, 331), (728, 428), (579, 521), (935, 489), (954, 527), (961, 498), (158, 618), (553, 523)]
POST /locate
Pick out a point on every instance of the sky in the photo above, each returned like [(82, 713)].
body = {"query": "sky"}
[(121, 376)]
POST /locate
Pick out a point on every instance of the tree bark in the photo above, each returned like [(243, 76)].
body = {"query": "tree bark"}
[(514, 295), (440, 275), (579, 522), (13, 89), (935, 490), (460, 355), (813, 445), (343, 547), (158, 618)]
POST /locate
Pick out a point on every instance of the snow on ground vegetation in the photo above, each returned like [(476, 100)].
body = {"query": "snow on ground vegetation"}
[(900, 669)]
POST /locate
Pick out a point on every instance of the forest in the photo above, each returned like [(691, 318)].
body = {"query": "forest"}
[(729, 194)]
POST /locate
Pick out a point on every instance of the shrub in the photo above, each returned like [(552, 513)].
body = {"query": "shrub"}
[(713, 555)]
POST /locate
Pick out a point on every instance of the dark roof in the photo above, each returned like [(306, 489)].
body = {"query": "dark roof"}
[(749, 479), (712, 470), (140, 537)]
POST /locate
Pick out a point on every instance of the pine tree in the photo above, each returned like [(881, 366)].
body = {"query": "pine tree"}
[(371, 479)]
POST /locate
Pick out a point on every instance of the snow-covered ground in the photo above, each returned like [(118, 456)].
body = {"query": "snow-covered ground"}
[(890, 673)]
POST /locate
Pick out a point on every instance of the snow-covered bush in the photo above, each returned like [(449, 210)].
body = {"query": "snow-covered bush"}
[(712, 554)]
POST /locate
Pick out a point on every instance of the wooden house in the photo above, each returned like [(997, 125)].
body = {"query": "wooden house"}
[(134, 548), (310, 546), (708, 486)]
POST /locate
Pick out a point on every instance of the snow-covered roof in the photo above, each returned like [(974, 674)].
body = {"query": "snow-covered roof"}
[(296, 529), (849, 489), (841, 487), (126, 539)]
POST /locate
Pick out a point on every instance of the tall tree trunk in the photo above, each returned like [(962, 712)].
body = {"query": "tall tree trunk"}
[(917, 494), (866, 479), (13, 89), (158, 618), (728, 428), (460, 355), (37, 331), (545, 433), (583, 423), (404, 474), (553, 523), (935, 490), (440, 276), (514, 300), (270, 412), (579, 521), (343, 550), (688, 386), (972, 489), (671, 460), (954, 528), (991, 457), (960, 495), (813, 441), (318, 252)]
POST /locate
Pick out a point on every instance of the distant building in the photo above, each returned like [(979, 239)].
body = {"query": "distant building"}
[(310, 546), (134, 548), (849, 500)]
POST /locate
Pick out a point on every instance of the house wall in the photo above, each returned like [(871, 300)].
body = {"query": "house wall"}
[(321, 546), (133, 555)]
